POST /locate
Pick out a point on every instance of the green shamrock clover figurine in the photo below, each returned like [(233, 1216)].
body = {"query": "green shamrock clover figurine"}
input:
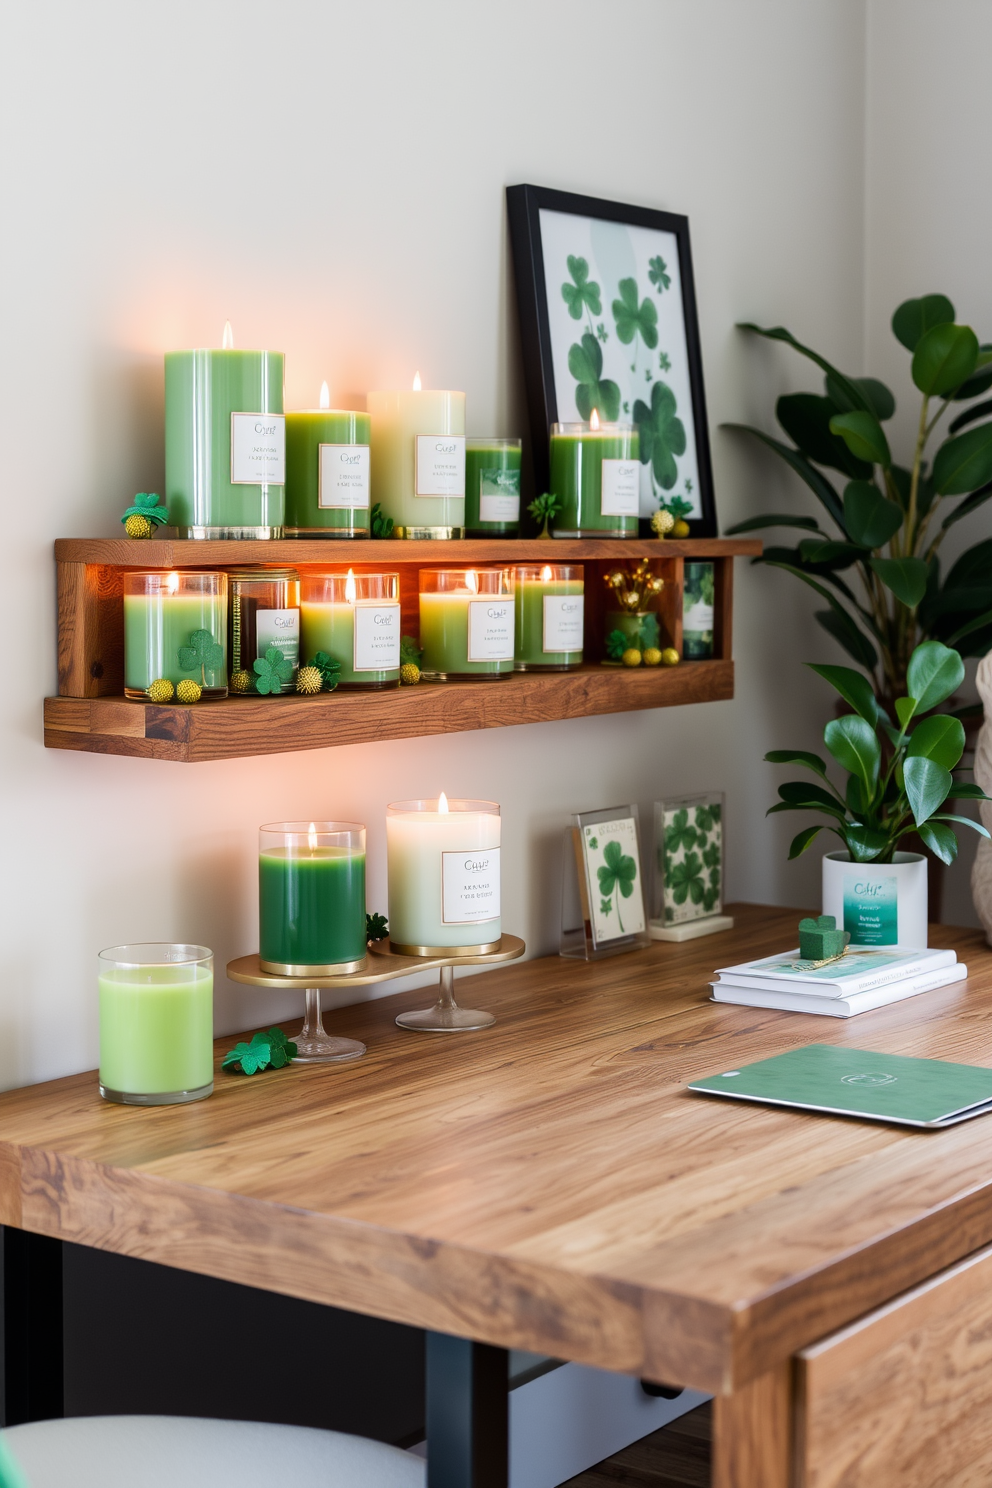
[(266, 1049), (376, 927), (203, 652), (328, 668), (141, 519), (381, 525), (618, 873), (544, 509), (271, 671)]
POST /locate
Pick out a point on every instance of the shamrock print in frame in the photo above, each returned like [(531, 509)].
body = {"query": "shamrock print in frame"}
[(605, 868), (687, 898)]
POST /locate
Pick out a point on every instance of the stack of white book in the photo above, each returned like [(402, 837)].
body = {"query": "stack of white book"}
[(856, 982)]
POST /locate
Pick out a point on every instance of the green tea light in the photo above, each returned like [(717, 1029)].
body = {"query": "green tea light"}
[(466, 623), (548, 603), (156, 1024), (311, 898), (595, 473), (327, 472), (175, 630), (492, 487)]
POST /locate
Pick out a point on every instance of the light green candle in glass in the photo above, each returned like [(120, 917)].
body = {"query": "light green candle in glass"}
[(492, 487), (164, 611), (156, 1023), (595, 473), (355, 619), (466, 623), (548, 610), (327, 472)]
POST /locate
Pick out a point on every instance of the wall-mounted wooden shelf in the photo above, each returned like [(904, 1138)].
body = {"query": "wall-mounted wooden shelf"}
[(91, 713)]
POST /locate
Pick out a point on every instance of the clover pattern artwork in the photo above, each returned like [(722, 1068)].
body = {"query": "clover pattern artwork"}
[(614, 875), (690, 858)]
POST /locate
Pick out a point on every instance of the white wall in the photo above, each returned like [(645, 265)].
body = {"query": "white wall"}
[(330, 178)]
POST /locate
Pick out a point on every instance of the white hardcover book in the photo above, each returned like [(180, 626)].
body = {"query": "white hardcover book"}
[(857, 971), (790, 1001)]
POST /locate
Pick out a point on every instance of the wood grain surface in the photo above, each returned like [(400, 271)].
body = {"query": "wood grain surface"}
[(171, 552), (548, 1184)]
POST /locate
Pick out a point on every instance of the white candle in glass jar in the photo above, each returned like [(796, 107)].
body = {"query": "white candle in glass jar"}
[(418, 459), (444, 874)]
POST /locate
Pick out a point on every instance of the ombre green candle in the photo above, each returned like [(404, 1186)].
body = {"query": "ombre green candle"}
[(327, 472), (492, 487), (548, 609), (354, 619), (595, 473), (175, 630), (466, 623), (156, 1024), (311, 898)]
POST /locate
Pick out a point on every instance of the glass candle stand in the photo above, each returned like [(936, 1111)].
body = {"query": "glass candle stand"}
[(354, 618), (418, 460), (697, 611), (548, 607), (166, 616), (492, 487), (327, 473), (466, 622), (156, 1024), (263, 610), (595, 473)]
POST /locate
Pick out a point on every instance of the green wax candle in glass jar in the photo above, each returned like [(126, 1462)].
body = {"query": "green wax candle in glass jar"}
[(311, 898), (697, 611), (175, 630), (548, 607), (354, 619), (492, 487), (595, 473), (466, 622), (156, 1024), (327, 472)]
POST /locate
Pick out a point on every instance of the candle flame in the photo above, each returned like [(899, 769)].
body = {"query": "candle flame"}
[(594, 419), (546, 574), (350, 588), (172, 584), (472, 581), (325, 397), (312, 836), (228, 342), (442, 805), (416, 382)]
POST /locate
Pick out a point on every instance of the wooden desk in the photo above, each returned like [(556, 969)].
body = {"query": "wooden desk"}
[(550, 1184)]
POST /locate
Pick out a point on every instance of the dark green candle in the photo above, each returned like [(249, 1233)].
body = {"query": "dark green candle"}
[(595, 473), (327, 472), (492, 487), (311, 897)]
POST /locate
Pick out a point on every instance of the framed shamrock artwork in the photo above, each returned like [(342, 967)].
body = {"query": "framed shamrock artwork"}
[(687, 897), (603, 864), (608, 322)]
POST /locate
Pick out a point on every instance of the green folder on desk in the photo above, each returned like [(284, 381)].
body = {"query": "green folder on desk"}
[(856, 1082)]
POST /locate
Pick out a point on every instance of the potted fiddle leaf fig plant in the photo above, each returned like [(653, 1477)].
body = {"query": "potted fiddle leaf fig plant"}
[(898, 780)]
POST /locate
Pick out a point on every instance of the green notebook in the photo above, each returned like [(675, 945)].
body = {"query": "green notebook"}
[(856, 1082)]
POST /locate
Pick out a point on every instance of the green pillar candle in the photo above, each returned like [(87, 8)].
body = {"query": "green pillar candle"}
[(548, 609), (156, 1024), (492, 487), (595, 473), (354, 618), (225, 442), (327, 472), (311, 897), (697, 611), (466, 622), (163, 610)]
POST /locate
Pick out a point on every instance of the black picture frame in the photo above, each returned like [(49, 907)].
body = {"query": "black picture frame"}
[(524, 206)]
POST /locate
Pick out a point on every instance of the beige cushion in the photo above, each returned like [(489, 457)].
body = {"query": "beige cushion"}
[(186, 1452)]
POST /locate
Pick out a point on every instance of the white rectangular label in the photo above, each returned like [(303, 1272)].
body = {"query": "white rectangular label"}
[(490, 629), (499, 495), (258, 449), (440, 465), (470, 886), (621, 487), (698, 617), (278, 628), (343, 475), (377, 637), (563, 622)]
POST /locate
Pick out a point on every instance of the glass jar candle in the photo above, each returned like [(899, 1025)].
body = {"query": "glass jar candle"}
[(443, 870), (697, 611), (327, 472), (156, 1024), (354, 618), (492, 487), (466, 622), (175, 630), (548, 604), (595, 473), (311, 898), (263, 607), (418, 460)]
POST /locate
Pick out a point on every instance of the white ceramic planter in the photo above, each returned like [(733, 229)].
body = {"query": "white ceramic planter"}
[(880, 903)]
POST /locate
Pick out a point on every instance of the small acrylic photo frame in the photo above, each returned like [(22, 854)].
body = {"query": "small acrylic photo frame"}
[(603, 907), (687, 892)]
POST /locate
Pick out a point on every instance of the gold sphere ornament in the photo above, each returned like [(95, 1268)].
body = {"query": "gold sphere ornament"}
[(161, 690), (670, 657), (308, 680), (138, 526), (189, 691), (652, 656), (631, 657), (681, 528), (410, 673), (662, 522), (240, 682)]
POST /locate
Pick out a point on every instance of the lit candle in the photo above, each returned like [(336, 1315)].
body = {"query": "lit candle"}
[(466, 622), (418, 460), (225, 442), (311, 897), (156, 1024), (354, 618), (163, 610), (444, 876), (327, 471), (548, 606), (595, 473)]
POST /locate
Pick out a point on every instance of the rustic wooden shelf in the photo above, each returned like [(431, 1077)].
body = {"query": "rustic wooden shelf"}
[(91, 714)]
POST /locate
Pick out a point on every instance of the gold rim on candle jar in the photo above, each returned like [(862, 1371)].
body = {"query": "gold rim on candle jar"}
[(439, 952), (429, 534)]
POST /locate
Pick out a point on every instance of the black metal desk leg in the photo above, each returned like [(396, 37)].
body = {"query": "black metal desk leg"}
[(467, 1414), (31, 1322)]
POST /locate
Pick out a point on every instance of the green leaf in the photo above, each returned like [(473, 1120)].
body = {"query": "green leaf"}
[(964, 463), (824, 550), (905, 708), (580, 293), (853, 688), (927, 786), (933, 673), (619, 870), (906, 577), (970, 416), (939, 738), (633, 320), (381, 525), (848, 386), (585, 362), (854, 745), (944, 358), (879, 400), (964, 821), (657, 275), (864, 437), (965, 791), (940, 840), (802, 839), (981, 379), (806, 419), (800, 793), (970, 504), (799, 757), (202, 651), (271, 671), (817, 483), (616, 644), (865, 843), (377, 926), (871, 519), (752, 524), (914, 318), (410, 652), (847, 634), (662, 434)]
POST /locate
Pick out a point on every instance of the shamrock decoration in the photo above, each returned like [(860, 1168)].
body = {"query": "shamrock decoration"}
[(633, 320), (585, 362), (382, 526), (328, 669), (580, 294), (410, 652), (602, 332), (141, 519), (594, 843), (686, 879), (707, 817), (657, 273), (618, 873), (616, 644), (271, 671), (203, 652), (678, 507), (376, 927), (545, 508), (272, 1048), (664, 361), (605, 905), (662, 435), (679, 833)]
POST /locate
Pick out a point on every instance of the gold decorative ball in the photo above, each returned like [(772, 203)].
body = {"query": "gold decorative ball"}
[(308, 680), (652, 656), (189, 691), (670, 657), (410, 673), (161, 690), (240, 682), (631, 657), (138, 526), (681, 529), (662, 522)]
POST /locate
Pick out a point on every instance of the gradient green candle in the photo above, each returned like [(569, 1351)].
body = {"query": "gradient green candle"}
[(163, 609), (466, 622), (156, 1024), (492, 487), (595, 473), (311, 897), (355, 619), (327, 472), (548, 609)]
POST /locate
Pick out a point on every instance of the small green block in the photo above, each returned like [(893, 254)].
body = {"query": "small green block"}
[(820, 938)]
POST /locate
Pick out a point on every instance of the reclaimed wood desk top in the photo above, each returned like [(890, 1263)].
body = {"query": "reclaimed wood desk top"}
[(548, 1184)]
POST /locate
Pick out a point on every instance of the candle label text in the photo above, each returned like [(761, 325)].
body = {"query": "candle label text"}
[(278, 628), (499, 496), (621, 488), (470, 886), (563, 615), (258, 449), (440, 464), (377, 637), (343, 475), (490, 629)]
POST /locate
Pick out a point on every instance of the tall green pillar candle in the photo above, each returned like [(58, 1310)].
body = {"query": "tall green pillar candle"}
[(156, 1024), (492, 487), (327, 472), (173, 624), (225, 442), (548, 609), (595, 473), (466, 622), (697, 611), (311, 897), (355, 619)]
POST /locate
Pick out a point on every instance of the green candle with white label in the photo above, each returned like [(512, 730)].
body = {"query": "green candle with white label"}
[(466, 623), (548, 609), (175, 629), (327, 472), (311, 897), (354, 619), (595, 473), (492, 487)]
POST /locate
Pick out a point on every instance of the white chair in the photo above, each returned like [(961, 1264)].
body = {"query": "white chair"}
[(186, 1452)]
